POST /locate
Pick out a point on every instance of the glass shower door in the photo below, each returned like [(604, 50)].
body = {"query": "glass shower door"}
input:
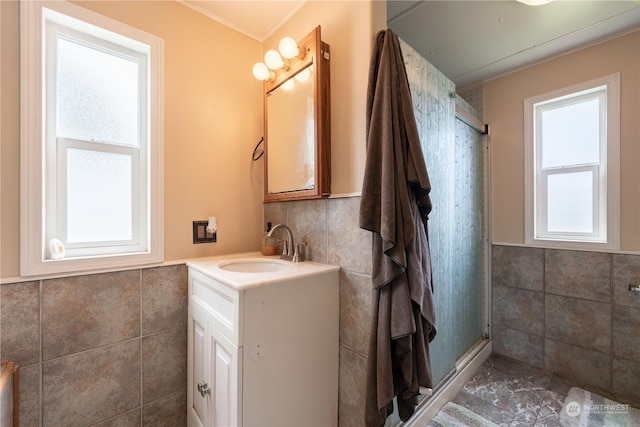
[(453, 154)]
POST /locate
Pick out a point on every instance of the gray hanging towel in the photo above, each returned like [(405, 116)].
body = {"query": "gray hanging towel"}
[(395, 204)]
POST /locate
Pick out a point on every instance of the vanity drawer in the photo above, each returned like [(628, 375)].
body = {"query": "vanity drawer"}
[(218, 302)]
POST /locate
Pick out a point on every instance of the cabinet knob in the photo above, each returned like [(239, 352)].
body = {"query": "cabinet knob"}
[(204, 389)]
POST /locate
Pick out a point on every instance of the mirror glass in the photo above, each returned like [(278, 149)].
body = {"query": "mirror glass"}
[(291, 124), (297, 125)]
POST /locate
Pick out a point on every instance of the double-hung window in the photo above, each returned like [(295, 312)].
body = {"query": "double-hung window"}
[(91, 142), (572, 166)]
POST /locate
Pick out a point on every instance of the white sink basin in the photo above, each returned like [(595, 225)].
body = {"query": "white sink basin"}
[(255, 266), (251, 269)]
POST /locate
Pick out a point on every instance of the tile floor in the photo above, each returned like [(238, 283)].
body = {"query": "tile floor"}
[(515, 394)]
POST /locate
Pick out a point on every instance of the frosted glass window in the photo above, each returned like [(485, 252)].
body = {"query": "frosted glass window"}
[(570, 202), (571, 134), (99, 196), (97, 93), (92, 141), (572, 166)]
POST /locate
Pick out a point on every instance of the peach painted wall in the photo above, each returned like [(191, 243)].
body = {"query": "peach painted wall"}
[(9, 139), (213, 120), (503, 110), (348, 27)]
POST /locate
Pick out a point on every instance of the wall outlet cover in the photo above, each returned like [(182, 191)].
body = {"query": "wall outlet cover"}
[(200, 233)]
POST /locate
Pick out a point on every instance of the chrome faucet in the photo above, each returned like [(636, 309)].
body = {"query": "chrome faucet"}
[(290, 252)]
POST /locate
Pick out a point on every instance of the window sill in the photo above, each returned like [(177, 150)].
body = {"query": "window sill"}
[(573, 245), (74, 266)]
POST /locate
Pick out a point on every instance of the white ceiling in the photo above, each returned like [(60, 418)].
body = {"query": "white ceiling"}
[(469, 41), (257, 19), (472, 41)]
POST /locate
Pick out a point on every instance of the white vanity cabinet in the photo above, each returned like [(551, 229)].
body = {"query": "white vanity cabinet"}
[(262, 347), (214, 375)]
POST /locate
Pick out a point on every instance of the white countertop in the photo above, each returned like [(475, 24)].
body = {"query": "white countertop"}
[(288, 270)]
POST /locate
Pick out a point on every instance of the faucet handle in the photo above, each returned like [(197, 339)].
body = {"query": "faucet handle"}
[(297, 255)]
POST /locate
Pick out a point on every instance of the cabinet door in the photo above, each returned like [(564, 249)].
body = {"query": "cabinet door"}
[(226, 371), (198, 365)]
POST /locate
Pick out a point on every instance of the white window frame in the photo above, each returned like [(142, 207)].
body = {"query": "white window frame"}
[(606, 183), (41, 202)]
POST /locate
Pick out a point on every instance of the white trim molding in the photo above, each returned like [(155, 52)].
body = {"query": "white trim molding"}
[(606, 236), (34, 259)]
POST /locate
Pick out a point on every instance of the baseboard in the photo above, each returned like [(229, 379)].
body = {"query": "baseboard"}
[(466, 367)]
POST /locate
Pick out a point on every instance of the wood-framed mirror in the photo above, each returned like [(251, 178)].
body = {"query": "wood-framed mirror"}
[(297, 125)]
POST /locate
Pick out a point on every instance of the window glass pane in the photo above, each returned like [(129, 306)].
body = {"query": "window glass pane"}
[(571, 134), (570, 202), (97, 94), (98, 196)]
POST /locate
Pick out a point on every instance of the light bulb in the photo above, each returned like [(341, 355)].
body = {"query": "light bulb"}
[(303, 75), (288, 85), (261, 72), (288, 48), (273, 59)]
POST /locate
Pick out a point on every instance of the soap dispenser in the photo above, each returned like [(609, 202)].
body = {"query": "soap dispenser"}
[(269, 244)]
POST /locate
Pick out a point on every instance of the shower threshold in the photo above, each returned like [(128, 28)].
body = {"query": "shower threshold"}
[(466, 366)]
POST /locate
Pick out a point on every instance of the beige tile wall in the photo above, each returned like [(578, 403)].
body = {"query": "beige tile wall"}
[(570, 312), (110, 349), (105, 349)]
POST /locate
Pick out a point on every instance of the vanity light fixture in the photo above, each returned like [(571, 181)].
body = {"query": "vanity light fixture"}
[(262, 72), (288, 48), (277, 59), (274, 61)]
